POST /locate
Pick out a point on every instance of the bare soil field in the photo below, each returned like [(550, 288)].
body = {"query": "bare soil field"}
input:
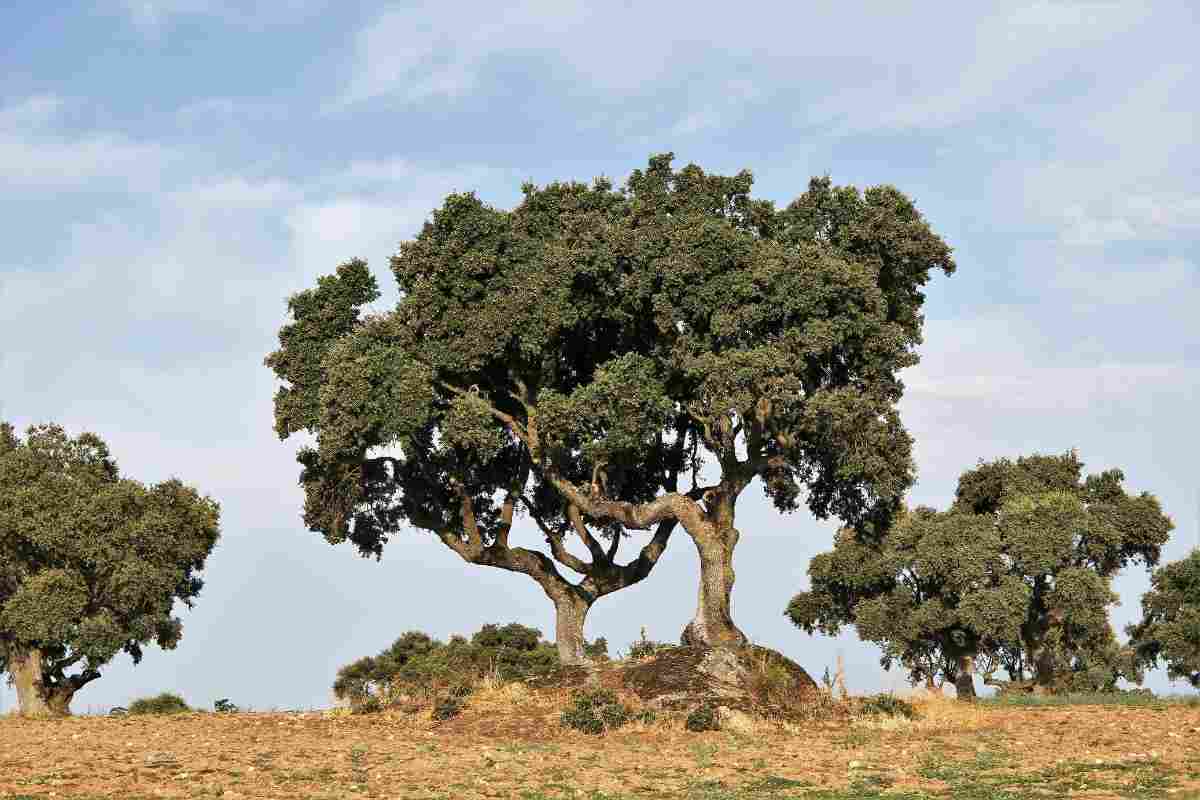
[(509, 744)]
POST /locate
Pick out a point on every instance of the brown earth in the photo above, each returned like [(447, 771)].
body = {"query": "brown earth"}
[(508, 744)]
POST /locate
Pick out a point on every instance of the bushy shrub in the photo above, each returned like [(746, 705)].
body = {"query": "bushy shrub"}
[(598, 710), (223, 706), (368, 705), (165, 703), (597, 650), (644, 648), (704, 718), (887, 705), (512, 636), (447, 708), (419, 666)]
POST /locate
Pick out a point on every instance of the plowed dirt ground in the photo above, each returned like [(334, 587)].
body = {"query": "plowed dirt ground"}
[(510, 745)]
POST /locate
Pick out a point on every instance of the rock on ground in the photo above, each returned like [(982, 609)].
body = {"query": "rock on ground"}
[(749, 680)]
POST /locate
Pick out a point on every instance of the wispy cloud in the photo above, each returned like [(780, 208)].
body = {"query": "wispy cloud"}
[(153, 17), (35, 151)]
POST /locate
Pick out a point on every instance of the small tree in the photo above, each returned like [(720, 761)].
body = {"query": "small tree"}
[(573, 358), (1170, 628), (1016, 576), (91, 564)]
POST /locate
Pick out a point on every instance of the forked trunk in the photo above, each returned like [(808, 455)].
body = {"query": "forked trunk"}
[(570, 613), (34, 697), (712, 626), (964, 681)]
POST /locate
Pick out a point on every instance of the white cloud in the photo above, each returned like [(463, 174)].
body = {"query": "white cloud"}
[(697, 121), (1167, 286), (1122, 170), (35, 152), (857, 71), (152, 17), (31, 112), (417, 53)]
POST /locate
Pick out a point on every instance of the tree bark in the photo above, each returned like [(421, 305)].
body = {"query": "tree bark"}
[(712, 625), (964, 680), (570, 613), (34, 697)]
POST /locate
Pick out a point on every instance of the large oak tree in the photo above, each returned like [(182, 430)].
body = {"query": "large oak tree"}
[(91, 564), (1015, 576), (585, 355), (1169, 631)]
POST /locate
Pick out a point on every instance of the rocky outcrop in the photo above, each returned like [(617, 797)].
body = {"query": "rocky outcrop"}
[(748, 680)]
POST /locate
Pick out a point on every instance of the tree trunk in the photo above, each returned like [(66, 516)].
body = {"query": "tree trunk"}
[(713, 625), (964, 681), (34, 697), (570, 613)]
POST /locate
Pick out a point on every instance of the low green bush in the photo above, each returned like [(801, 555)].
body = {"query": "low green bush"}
[(223, 706), (165, 703), (447, 708), (597, 650), (419, 666), (644, 648), (368, 705), (704, 718), (887, 705), (598, 710)]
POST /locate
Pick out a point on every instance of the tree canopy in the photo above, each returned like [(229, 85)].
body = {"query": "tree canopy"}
[(1015, 575), (1169, 631), (91, 564), (572, 359)]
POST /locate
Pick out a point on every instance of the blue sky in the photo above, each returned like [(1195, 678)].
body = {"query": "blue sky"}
[(172, 170)]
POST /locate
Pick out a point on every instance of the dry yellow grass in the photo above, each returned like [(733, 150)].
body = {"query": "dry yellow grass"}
[(509, 744)]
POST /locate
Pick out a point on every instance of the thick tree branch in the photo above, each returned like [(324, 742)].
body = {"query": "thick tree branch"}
[(62, 665), (470, 523), (515, 492), (611, 555), (636, 516), (560, 553), (628, 574), (77, 682), (584, 534)]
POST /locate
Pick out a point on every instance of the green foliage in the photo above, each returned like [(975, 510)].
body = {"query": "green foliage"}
[(596, 650), (91, 563), (1015, 576), (322, 315), (887, 705), (418, 665), (367, 705), (447, 708), (645, 648), (513, 636), (224, 706), (605, 341), (165, 703), (703, 718), (1169, 631), (598, 710)]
